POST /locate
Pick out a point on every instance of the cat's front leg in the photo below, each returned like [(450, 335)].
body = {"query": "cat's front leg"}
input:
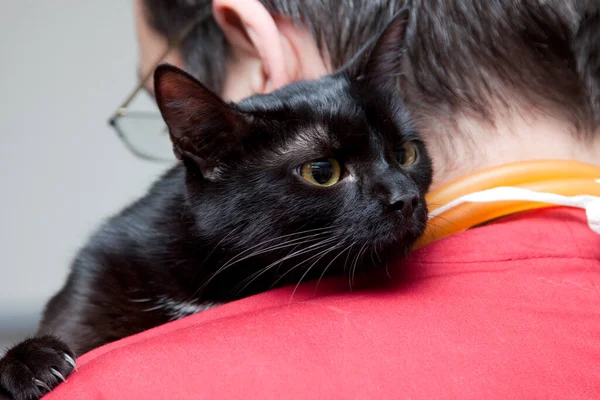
[(34, 367)]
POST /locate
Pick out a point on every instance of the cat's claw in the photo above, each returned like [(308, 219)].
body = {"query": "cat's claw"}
[(57, 374), (41, 384), (35, 367), (70, 360)]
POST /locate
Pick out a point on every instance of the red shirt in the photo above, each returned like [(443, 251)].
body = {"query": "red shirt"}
[(510, 310)]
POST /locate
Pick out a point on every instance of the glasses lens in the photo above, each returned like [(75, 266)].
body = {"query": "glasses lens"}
[(146, 135)]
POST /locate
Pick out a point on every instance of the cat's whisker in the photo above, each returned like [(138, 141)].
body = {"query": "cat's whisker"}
[(387, 271), (248, 281), (279, 264), (219, 243), (362, 257), (289, 243), (377, 254), (359, 259), (296, 266), (281, 260), (293, 242), (241, 254), (328, 265), (320, 230), (323, 254), (346, 261), (432, 221), (354, 266), (350, 272), (290, 252)]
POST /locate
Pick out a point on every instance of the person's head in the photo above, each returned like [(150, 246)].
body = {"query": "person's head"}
[(488, 83), (244, 47)]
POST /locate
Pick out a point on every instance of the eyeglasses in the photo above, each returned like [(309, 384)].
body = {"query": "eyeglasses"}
[(145, 133)]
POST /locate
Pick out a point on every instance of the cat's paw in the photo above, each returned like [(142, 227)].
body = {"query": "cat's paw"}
[(34, 367)]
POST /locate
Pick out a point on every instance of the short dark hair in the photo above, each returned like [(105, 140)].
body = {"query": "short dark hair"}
[(472, 56), (205, 51), (461, 55), (339, 30)]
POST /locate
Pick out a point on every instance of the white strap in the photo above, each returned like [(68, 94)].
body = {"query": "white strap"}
[(591, 204)]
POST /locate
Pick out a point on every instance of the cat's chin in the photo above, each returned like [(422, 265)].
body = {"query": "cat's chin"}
[(400, 243), (400, 248), (402, 234)]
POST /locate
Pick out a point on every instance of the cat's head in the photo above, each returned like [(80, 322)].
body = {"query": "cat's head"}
[(318, 166)]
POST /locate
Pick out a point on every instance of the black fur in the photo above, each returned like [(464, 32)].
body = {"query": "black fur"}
[(235, 217)]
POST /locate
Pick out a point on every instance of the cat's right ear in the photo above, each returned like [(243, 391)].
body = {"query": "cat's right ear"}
[(201, 125), (380, 61)]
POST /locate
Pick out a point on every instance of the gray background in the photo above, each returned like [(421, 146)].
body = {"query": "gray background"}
[(65, 65)]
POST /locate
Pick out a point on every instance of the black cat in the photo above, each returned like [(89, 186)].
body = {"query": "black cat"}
[(277, 189)]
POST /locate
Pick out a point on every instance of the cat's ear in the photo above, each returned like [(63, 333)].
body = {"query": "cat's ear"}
[(382, 61), (201, 125)]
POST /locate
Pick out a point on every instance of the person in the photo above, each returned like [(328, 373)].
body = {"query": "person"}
[(508, 309)]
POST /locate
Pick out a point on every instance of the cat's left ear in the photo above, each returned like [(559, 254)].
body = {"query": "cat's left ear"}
[(202, 127), (382, 61)]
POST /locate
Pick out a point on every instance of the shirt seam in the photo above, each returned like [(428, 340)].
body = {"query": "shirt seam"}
[(507, 259)]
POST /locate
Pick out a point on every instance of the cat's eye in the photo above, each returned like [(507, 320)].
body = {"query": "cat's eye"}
[(406, 154), (324, 172)]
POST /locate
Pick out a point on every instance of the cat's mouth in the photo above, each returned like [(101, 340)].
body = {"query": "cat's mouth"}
[(409, 228), (387, 240), (398, 238)]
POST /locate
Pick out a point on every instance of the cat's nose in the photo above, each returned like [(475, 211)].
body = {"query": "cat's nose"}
[(405, 203)]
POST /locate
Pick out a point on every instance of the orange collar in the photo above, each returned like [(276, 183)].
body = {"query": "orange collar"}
[(561, 177)]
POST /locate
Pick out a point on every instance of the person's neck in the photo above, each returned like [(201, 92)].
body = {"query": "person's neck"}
[(510, 140)]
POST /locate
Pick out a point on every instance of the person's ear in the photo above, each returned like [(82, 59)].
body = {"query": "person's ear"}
[(268, 51)]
